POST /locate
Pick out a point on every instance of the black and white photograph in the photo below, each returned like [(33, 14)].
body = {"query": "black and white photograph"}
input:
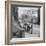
[(25, 21)]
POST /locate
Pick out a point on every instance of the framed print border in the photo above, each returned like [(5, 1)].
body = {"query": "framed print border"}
[(8, 21)]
